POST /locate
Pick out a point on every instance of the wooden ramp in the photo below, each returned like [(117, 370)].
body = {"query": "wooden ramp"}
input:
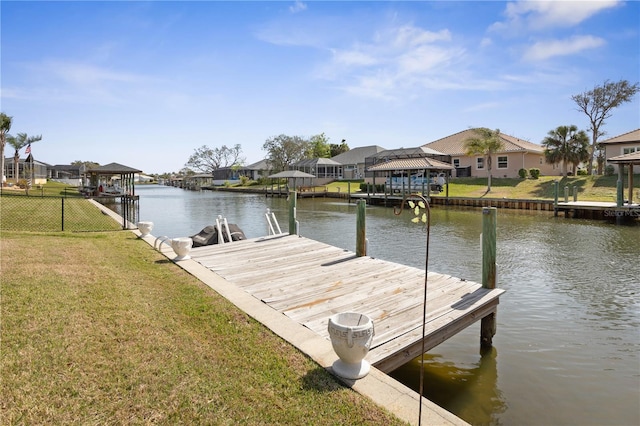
[(309, 281)]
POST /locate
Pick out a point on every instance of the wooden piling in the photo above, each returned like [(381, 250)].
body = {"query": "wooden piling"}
[(555, 197), (361, 233), (293, 228), (488, 323)]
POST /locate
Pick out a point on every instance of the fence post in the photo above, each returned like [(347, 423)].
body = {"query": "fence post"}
[(62, 215), (488, 323), (361, 233)]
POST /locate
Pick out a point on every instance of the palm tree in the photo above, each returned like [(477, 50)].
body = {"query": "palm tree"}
[(18, 142), (5, 126), (486, 143), (566, 145)]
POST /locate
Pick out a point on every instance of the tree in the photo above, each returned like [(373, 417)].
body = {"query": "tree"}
[(283, 150), (486, 142), (597, 105), (5, 126), (207, 160), (566, 145), (88, 165), (18, 142), (319, 145), (339, 149)]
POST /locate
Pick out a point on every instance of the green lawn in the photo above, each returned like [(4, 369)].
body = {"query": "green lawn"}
[(101, 329)]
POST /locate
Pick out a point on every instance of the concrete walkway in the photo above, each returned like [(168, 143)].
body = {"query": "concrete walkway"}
[(379, 387)]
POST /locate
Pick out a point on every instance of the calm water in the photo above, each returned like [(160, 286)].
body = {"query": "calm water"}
[(567, 350)]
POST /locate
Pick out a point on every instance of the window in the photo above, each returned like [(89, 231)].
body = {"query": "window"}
[(456, 162), (631, 150), (503, 162), (480, 163)]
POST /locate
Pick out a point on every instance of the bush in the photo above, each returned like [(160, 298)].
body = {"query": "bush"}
[(609, 170), (582, 172), (522, 173), (244, 180), (379, 187), (534, 173)]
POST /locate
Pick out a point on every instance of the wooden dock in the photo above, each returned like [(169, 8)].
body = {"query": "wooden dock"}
[(308, 281), (598, 210)]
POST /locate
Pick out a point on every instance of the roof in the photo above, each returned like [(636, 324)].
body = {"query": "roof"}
[(259, 165), (454, 144), (421, 163), (420, 151), (292, 174), (632, 136), (316, 161), (357, 155), (632, 158), (114, 168)]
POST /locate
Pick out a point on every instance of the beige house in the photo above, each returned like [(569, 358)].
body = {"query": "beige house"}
[(517, 154), (626, 143)]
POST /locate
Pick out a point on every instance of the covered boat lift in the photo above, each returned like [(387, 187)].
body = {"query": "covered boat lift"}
[(417, 164), (625, 160)]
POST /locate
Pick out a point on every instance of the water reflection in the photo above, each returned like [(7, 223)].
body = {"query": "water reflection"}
[(469, 390)]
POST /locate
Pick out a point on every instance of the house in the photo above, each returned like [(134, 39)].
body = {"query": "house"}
[(626, 143), (27, 168), (517, 154), (257, 170), (324, 169), (353, 161)]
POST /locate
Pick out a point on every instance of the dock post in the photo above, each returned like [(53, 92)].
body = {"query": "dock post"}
[(575, 193), (620, 187), (555, 198), (361, 233), (293, 228), (566, 193), (488, 323)]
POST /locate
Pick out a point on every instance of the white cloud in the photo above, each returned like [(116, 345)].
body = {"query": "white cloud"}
[(394, 61), (540, 15), (548, 49), (298, 6)]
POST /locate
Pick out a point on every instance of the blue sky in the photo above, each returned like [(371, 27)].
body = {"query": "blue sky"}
[(146, 83)]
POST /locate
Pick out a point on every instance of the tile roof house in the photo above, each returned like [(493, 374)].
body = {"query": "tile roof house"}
[(626, 143), (517, 154)]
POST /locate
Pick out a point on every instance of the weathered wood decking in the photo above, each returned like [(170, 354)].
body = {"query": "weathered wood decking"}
[(309, 281)]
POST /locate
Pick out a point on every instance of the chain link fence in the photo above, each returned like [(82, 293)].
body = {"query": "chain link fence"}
[(39, 213)]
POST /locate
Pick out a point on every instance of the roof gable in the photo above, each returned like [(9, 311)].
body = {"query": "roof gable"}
[(115, 168), (454, 144), (357, 155), (632, 136)]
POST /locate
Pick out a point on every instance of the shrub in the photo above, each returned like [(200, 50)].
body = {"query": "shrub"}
[(244, 180), (534, 173), (379, 187), (609, 170), (582, 172), (522, 173)]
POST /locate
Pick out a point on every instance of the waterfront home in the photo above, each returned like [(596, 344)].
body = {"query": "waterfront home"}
[(353, 161), (626, 143), (517, 154)]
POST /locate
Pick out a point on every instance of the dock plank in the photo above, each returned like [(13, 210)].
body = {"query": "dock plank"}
[(308, 281)]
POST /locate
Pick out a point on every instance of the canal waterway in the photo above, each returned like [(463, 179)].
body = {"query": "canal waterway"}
[(567, 348)]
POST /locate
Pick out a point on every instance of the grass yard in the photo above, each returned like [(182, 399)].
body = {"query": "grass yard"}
[(101, 329)]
